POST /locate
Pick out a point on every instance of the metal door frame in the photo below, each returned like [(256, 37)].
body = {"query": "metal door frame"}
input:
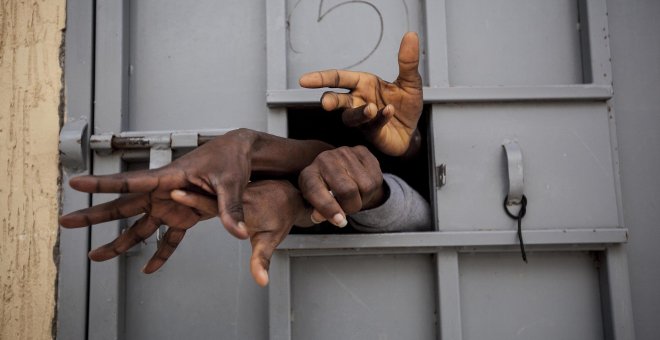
[(73, 265), (90, 295)]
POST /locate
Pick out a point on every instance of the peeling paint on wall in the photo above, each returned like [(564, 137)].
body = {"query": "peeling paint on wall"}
[(30, 85)]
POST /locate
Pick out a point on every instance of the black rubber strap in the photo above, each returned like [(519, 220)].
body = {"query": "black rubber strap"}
[(519, 217)]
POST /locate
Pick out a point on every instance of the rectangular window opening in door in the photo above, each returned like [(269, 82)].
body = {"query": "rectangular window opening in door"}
[(315, 123)]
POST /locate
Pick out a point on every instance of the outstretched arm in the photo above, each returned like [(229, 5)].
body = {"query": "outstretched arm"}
[(386, 112), (221, 168)]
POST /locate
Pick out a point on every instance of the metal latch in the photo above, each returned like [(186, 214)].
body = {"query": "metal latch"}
[(156, 146)]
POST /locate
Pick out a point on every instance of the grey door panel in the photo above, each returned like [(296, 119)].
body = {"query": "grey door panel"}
[(556, 295), (204, 290), (512, 71), (568, 171), (196, 65), (363, 297), (513, 42)]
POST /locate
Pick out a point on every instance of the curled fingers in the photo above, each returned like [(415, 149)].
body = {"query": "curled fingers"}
[(138, 232), (166, 248), (316, 192)]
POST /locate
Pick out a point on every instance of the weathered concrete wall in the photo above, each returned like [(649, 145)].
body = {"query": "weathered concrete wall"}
[(30, 84)]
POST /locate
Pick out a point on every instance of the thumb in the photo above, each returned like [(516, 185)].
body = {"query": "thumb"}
[(262, 251), (230, 207), (409, 61)]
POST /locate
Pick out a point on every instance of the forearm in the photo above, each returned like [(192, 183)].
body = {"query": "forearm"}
[(275, 155), (403, 210)]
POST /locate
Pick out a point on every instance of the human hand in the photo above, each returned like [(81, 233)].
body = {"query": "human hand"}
[(271, 209), (220, 167), (386, 112), (158, 210), (342, 181)]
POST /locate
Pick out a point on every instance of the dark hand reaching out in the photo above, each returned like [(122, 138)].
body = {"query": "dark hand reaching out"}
[(386, 112), (221, 167), (342, 181), (271, 209)]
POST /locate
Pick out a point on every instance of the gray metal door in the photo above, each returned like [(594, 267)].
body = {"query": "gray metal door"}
[(535, 74)]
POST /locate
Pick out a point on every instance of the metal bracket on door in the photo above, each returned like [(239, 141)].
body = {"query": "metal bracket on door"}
[(74, 145), (136, 146), (514, 161)]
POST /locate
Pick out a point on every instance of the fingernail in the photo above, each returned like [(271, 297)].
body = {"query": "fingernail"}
[(144, 268), (241, 226), (339, 220), (311, 217), (178, 192)]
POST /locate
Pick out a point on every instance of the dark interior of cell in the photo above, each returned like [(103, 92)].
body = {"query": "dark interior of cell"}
[(315, 123)]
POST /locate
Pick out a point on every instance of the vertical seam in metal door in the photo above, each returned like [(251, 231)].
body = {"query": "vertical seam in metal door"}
[(91, 159)]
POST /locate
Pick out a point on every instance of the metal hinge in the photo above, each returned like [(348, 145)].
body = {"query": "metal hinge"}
[(441, 175)]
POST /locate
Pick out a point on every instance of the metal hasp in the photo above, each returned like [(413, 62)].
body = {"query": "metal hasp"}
[(155, 146), (74, 145), (514, 161)]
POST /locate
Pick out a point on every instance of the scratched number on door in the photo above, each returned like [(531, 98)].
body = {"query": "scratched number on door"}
[(337, 14)]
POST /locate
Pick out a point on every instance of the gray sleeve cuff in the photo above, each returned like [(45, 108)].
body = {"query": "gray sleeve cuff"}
[(404, 210)]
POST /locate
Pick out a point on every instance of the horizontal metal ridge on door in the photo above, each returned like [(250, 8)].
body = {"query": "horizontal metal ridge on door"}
[(455, 94), (456, 238)]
